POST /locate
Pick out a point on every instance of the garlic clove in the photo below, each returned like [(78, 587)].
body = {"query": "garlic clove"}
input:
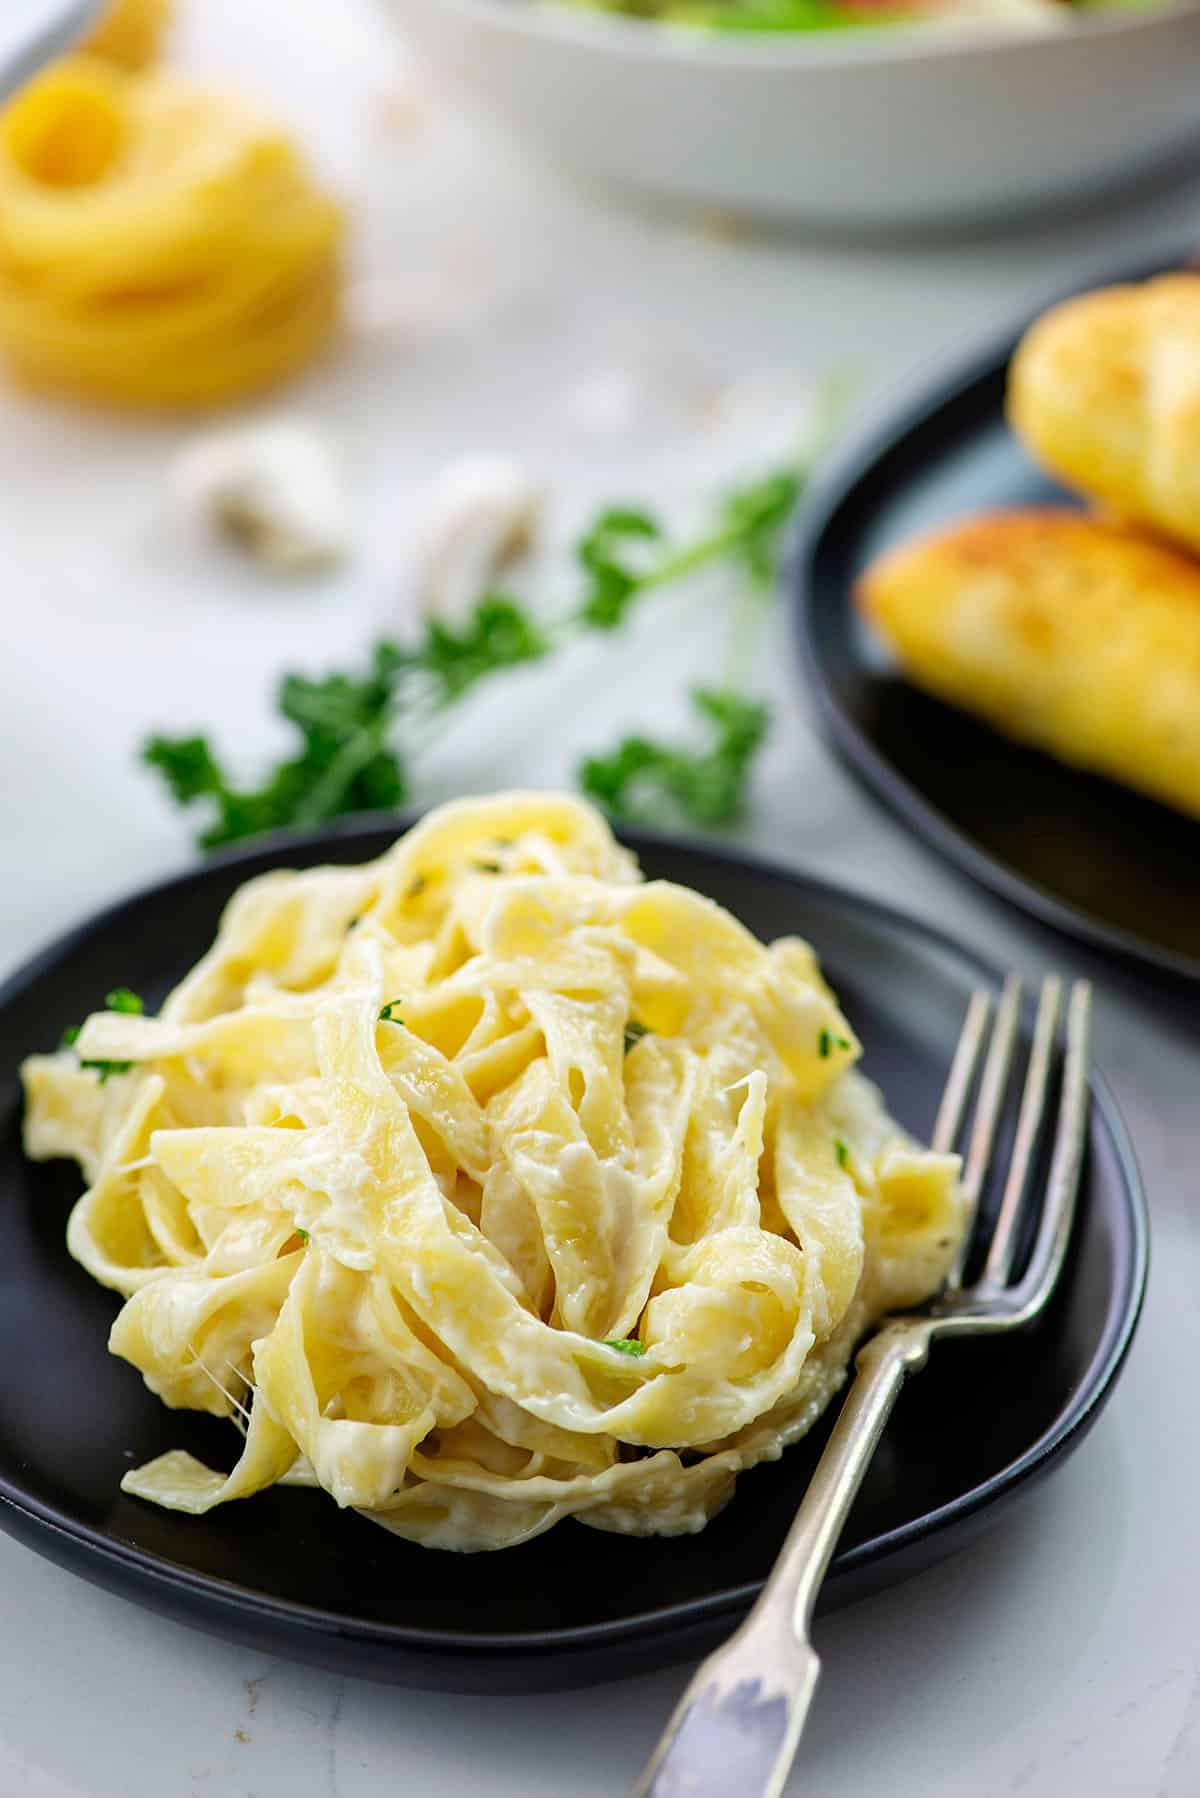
[(474, 520), (273, 490)]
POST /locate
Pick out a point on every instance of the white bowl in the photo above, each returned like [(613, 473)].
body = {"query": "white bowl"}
[(876, 127)]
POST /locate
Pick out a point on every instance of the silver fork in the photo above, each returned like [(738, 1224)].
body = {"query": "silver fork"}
[(736, 1728)]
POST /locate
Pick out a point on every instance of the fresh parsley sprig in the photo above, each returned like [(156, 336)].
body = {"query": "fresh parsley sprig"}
[(361, 732), (653, 782), (346, 761)]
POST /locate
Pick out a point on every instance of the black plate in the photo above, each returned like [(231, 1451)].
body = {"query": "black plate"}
[(1084, 854), (286, 1571)]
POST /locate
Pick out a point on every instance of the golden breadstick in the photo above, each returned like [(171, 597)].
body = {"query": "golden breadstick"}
[(1069, 632), (1104, 391)]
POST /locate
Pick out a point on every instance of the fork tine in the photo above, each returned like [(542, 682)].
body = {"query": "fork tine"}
[(962, 1071), (987, 1115), (1002, 1247), (1062, 1186)]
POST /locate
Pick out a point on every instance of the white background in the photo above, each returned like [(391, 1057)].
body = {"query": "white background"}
[(623, 358)]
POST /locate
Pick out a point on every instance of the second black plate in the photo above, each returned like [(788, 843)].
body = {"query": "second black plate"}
[(1079, 851)]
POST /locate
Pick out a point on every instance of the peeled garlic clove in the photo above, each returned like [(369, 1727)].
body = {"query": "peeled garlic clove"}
[(274, 490), (477, 517)]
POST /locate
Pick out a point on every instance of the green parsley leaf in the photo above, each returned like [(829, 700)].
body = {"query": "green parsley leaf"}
[(344, 762), (500, 633), (303, 1235), (107, 1068), (389, 1014), (121, 999), (188, 766), (70, 1036), (827, 1042), (613, 584), (348, 759), (758, 515), (626, 1345), (841, 1151), (661, 782), (634, 1032)]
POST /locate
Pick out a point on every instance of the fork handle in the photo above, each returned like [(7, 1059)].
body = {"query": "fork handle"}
[(736, 1727)]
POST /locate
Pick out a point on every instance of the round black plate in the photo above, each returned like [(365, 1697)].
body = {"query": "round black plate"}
[(287, 1572), (1079, 851)]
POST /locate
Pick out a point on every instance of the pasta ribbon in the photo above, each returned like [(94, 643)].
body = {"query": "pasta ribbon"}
[(489, 1185)]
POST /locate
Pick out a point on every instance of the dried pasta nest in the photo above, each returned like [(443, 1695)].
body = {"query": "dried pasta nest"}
[(160, 245), (129, 32)]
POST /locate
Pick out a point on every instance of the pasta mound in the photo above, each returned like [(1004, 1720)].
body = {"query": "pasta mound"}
[(160, 245), (129, 32), (489, 1184)]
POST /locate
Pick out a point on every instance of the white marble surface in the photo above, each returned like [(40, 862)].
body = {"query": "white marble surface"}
[(1060, 1655)]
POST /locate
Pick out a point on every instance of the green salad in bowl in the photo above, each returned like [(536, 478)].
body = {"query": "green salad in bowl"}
[(845, 15), (846, 115)]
